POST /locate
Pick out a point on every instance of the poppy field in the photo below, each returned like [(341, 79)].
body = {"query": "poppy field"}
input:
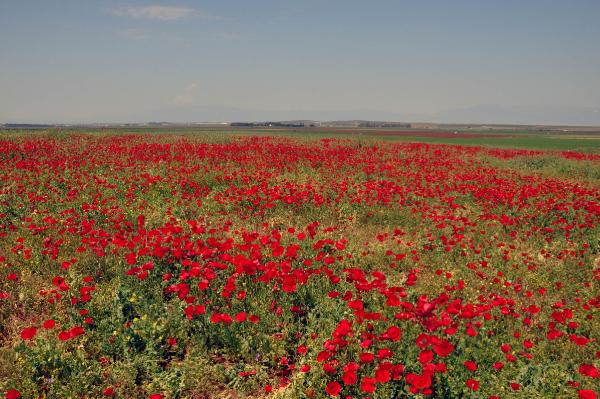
[(227, 266)]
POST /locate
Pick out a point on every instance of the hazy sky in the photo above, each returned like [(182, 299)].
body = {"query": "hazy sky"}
[(83, 61)]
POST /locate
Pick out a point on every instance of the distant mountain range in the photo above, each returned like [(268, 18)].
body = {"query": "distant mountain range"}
[(481, 114)]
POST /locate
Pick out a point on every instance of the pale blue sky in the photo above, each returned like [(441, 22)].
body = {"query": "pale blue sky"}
[(86, 61)]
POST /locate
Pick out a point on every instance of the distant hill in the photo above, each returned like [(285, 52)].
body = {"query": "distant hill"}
[(480, 114)]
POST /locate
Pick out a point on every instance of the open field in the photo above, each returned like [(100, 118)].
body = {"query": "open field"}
[(588, 142), (538, 142), (581, 140), (221, 263)]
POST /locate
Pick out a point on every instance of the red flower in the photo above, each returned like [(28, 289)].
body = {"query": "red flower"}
[(48, 324), (366, 357), (108, 391), (579, 340), (589, 370), (367, 385), (240, 317), (333, 388), (28, 333), (76, 331), (587, 394), (397, 370), (425, 357), (349, 377), (443, 348), (393, 334), (473, 384), (470, 365), (419, 382), (13, 394), (382, 376), (384, 353)]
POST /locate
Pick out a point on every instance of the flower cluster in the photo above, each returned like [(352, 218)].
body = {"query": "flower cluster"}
[(162, 266)]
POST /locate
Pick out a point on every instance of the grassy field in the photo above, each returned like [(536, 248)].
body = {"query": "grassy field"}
[(536, 142), (187, 263), (504, 139), (588, 142)]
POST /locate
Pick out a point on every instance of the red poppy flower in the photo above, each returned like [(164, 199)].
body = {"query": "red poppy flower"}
[(349, 377), (333, 388), (28, 333), (587, 394), (240, 317), (366, 357), (393, 333), (589, 370), (470, 365), (382, 376), (425, 357), (443, 348), (367, 385), (13, 394), (473, 384), (48, 324)]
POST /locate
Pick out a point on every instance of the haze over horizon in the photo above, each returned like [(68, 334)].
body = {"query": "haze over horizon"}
[(189, 61)]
